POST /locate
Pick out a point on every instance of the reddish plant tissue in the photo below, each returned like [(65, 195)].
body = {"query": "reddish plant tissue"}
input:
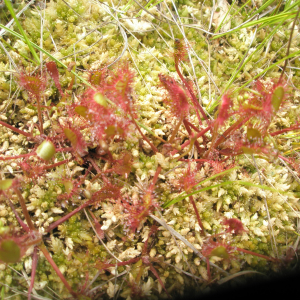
[(53, 71), (234, 226), (178, 97), (33, 84), (224, 110), (97, 133)]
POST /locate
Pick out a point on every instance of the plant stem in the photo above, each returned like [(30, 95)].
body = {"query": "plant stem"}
[(16, 129), (238, 124), (197, 212), (33, 270), (202, 132), (24, 209), (69, 215), (22, 224), (191, 92), (175, 130), (43, 248), (12, 12), (40, 116), (55, 165), (17, 156), (289, 45), (188, 129), (154, 149), (257, 254), (285, 130)]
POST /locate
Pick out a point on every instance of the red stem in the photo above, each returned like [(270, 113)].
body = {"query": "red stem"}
[(175, 130), (191, 125), (208, 268), (193, 159), (257, 254), (202, 132), (205, 139), (238, 124), (56, 269), (16, 129), (69, 215), (194, 99), (22, 224), (17, 156), (197, 212), (24, 209), (55, 165), (40, 115), (154, 149), (188, 129), (159, 279), (285, 130), (155, 177), (33, 270)]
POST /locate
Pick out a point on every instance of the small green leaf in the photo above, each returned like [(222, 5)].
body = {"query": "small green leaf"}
[(253, 135), (10, 252), (113, 130), (71, 136), (46, 150), (82, 111), (96, 77), (220, 252), (68, 184), (5, 184), (277, 97), (101, 99), (248, 150)]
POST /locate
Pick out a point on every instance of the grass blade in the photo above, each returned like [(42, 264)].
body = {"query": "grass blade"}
[(45, 52), (25, 38), (235, 182)]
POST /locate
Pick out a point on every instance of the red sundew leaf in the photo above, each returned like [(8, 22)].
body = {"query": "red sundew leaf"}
[(35, 85), (219, 166), (116, 125), (6, 184), (235, 226), (180, 51), (187, 181), (105, 123), (123, 166), (264, 103), (53, 71), (138, 212), (178, 97), (224, 110), (109, 191), (103, 265), (13, 245), (119, 88), (77, 140), (216, 248), (97, 77), (82, 111), (97, 226), (94, 106), (253, 135), (32, 170), (277, 97)]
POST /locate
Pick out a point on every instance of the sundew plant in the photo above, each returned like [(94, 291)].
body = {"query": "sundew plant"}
[(147, 148)]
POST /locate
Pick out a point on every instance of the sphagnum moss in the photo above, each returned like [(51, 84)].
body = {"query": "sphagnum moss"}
[(90, 258)]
